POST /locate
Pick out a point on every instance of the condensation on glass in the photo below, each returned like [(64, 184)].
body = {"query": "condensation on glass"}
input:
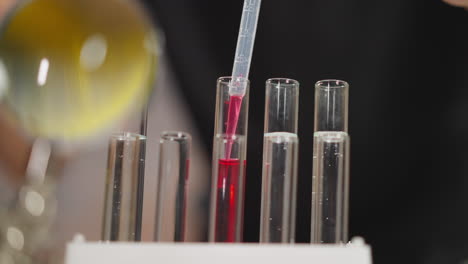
[(123, 201), (330, 177), (229, 162), (280, 156), (173, 178)]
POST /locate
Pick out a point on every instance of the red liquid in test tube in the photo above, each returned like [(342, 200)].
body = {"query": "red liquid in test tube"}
[(235, 103), (228, 210)]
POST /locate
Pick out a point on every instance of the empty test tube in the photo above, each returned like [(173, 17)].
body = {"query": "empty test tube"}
[(330, 178), (173, 177), (229, 161), (280, 155), (124, 182)]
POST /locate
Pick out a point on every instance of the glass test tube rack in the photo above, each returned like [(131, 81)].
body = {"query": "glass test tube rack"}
[(330, 174)]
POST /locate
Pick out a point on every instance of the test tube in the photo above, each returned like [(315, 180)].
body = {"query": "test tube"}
[(229, 161), (124, 179), (330, 179), (280, 155), (173, 177)]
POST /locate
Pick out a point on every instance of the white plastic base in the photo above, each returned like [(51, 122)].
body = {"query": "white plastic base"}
[(81, 252)]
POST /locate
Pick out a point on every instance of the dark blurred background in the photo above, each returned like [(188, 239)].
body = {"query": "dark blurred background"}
[(407, 65)]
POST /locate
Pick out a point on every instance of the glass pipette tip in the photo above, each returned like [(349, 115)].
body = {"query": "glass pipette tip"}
[(242, 59)]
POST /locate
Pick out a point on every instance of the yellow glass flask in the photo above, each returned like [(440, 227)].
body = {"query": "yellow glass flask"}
[(72, 68)]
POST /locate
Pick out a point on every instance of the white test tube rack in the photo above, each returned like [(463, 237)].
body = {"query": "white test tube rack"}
[(80, 251)]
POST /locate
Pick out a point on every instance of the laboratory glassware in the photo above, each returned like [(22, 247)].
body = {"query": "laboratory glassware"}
[(280, 157), (240, 70), (244, 48), (67, 74), (173, 178), (122, 200), (27, 223), (228, 170), (330, 178), (229, 146)]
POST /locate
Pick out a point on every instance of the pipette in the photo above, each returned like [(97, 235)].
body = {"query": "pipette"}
[(240, 71), (245, 43), (229, 145)]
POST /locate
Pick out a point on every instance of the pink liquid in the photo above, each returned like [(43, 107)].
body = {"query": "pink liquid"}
[(229, 207), (235, 103)]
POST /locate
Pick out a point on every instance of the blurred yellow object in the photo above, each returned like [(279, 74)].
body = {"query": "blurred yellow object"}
[(72, 68)]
